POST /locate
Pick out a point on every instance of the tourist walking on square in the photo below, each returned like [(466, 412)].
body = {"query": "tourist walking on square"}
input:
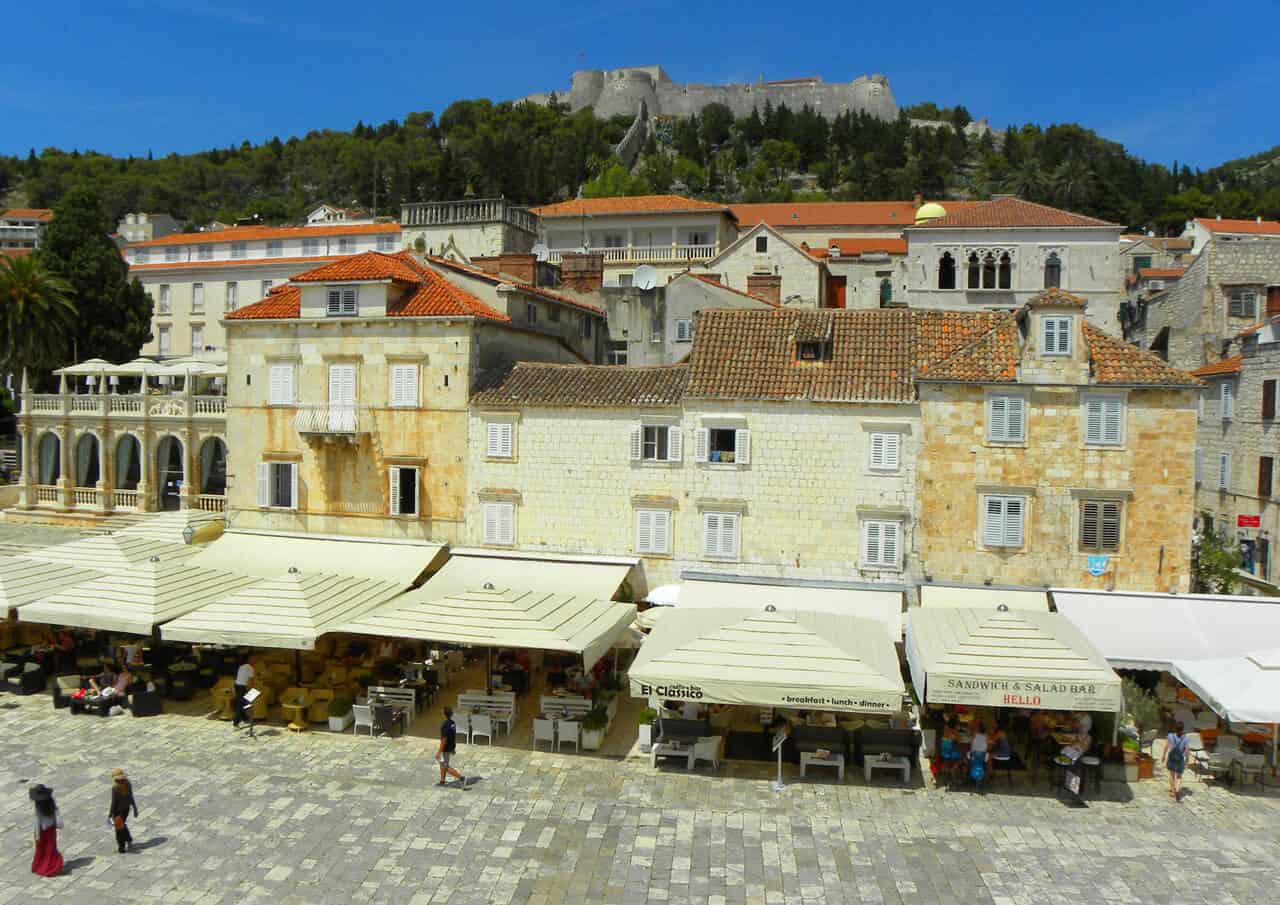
[(1175, 760), (445, 750), (121, 801), (48, 860), (244, 677)]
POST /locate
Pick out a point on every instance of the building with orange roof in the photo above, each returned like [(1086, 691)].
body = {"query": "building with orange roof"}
[(21, 229), (1202, 229)]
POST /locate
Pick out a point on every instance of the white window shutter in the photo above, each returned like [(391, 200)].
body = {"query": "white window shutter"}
[(661, 531), (889, 532), (1049, 328), (871, 542), (701, 444), (877, 450), (404, 385), (293, 486), (289, 379), (644, 531), (1227, 406), (637, 442), (490, 523), (507, 523), (507, 433), (1093, 421), (711, 534), (742, 446), (394, 489), (1112, 420), (998, 417), (1224, 470), (675, 443), (1016, 414), (1111, 525), (729, 535), (493, 439), (993, 522), (1013, 515), (1089, 525), (264, 484)]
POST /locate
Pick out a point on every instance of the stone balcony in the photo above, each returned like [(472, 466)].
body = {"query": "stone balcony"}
[(332, 421), (647, 254), (135, 407)]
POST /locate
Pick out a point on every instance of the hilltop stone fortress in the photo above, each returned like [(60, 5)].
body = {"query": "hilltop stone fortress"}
[(625, 92)]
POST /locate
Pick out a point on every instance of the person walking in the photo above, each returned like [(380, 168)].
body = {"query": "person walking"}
[(47, 861), (445, 750), (1175, 760), (244, 678), (121, 801)]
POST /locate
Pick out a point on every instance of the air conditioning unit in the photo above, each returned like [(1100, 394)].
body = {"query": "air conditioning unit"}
[(1155, 285)]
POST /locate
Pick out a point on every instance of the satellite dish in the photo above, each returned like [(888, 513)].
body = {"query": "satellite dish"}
[(645, 277), (541, 252)]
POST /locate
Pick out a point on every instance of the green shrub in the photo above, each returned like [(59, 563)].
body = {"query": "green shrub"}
[(340, 707), (647, 716), (596, 718)]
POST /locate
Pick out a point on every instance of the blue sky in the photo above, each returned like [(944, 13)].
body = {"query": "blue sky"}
[(1172, 81)]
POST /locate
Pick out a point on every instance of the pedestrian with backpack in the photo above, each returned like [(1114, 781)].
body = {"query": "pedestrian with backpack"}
[(445, 750), (1175, 760)]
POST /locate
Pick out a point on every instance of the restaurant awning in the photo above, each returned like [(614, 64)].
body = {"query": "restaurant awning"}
[(493, 600), (290, 611), (1007, 658), (169, 526), (136, 601), (24, 581), (270, 555), (112, 552), (783, 658), (884, 606), (1151, 631), (938, 595), (1243, 689)]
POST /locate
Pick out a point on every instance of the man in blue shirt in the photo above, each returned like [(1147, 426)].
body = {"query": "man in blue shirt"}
[(448, 745)]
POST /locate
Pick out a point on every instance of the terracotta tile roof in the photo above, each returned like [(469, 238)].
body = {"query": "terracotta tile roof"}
[(250, 233), (437, 297), (1011, 212), (15, 252), (1161, 273), (752, 355), (629, 204), (539, 385), (711, 281), (1225, 366), (827, 213), (978, 347), (369, 265), (42, 214), (1117, 363), (852, 247), (282, 302), (251, 262), (1250, 227), (496, 280), (1167, 243), (1057, 297)]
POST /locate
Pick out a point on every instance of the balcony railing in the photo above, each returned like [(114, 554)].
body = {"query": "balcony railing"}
[(334, 420), (647, 254), (480, 210), (211, 502), (126, 406), (47, 495), (124, 499), (85, 498)]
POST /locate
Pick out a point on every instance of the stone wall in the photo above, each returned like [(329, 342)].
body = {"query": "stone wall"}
[(800, 278)]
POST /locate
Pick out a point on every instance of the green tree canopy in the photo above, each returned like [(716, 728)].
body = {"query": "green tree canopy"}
[(37, 317)]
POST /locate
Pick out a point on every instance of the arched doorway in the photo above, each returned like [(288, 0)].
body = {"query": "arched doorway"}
[(50, 459), (88, 461), (128, 463), (169, 474), (213, 467)]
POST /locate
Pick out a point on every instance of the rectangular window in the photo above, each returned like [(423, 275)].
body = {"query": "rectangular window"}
[(197, 338), (1268, 399), (617, 353), (653, 532), (614, 240), (197, 297), (586, 326), (404, 386), (346, 245), (684, 330), (1242, 303), (278, 485), (1006, 419), (387, 243), (884, 451), (239, 249), (1002, 520), (1266, 465), (1227, 399), (881, 543), (1056, 335), (403, 490), (720, 535), (723, 444), (762, 244), (1141, 262), (164, 299), (164, 339), (500, 440), (531, 313), (310, 247), (266, 287), (141, 255), (172, 253), (233, 296), (656, 443), (204, 252), (1104, 420), (341, 301), (500, 524), (280, 385), (1224, 470), (275, 248), (1099, 526)]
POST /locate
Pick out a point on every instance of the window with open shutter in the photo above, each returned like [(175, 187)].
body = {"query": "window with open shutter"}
[(1006, 418), (278, 485), (404, 386), (264, 484), (1002, 520), (1104, 420), (280, 385), (653, 531), (1100, 526), (1268, 399), (499, 523), (675, 444), (1266, 465), (742, 446), (637, 442), (885, 451), (1227, 400), (701, 444)]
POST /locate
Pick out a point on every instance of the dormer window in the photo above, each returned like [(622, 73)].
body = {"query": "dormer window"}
[(1055, 335), (341, 301), (813, 350)]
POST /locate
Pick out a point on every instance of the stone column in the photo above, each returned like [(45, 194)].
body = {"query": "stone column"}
[(144, 466), (66, 479), (190, 475)]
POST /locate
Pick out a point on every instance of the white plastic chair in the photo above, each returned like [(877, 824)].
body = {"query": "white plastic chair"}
[(1197, 757), (568, 731), (364, 717), (544, 731), (462, 723), (1247, 766), (482, 725), (707, 749)]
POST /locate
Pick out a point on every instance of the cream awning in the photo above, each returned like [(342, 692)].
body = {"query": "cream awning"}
[(291, 611), (1010, 658), (512, 601), (269, 555), (136, 601), (168, 526), (1243, 689), (24, 581), (785, 658), (112, 552), (885, 606), (935, 595)]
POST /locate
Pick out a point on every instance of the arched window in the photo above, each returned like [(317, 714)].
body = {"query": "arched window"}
[(169, 473), (886, 291), (1006, 271), (1053, 271), (973, 271), (946, 271), (50, 459), (989, 271), (213, 467), (88, 468), (128, 463)]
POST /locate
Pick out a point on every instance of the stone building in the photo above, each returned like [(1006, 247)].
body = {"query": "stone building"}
[(139, 227), (1139, 252), (348, 392), (864, 273), (467, 229), (817, 223), (1055, 454), (1231, 286), (1202, 230), (764, 263)]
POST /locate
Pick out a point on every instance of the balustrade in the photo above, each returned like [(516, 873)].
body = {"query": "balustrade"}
[(47, 494), (645, 254), (211, 502), (85, 498), (124, 499), (322, 418)]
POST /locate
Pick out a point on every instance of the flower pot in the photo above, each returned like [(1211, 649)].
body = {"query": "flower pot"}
[(592, 739), (645, 735), (340, 723), (1146, 766)]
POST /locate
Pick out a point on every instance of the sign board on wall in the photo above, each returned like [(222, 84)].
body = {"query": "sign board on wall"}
[(1033, 693), (1248, 521)]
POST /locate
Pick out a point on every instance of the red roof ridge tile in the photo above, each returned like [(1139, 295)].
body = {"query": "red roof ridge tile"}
[(1013, 213), (711, 281)]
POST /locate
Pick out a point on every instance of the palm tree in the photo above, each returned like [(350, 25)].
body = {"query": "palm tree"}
[(1073, 182), (37, 315), (1027, 180)]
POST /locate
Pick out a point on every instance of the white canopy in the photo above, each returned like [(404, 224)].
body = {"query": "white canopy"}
[(136, 601), (269, 555), (664, 595), (88, 368), (884, 606), (499, 601), (1151, 631), (936, 595), (785, 658), (291, 611), (168, 526), (1011, 658), (23, 581), (1244, 689), (111, 552), (145, 367)]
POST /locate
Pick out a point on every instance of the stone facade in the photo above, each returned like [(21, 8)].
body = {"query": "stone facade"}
[(468, 229), (762, 250)]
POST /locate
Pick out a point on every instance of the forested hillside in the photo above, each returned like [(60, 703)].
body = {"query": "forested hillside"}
[(535, 154)]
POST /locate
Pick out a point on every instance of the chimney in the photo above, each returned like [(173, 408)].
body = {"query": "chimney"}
[(582, 271), (489, 264), (523, 267), (765, 286), (916, 200)]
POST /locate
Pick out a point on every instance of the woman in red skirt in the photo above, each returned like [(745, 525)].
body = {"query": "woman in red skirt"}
[(48, 860)]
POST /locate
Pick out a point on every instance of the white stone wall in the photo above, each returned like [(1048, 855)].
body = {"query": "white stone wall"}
[(802, 276), (863, 277)]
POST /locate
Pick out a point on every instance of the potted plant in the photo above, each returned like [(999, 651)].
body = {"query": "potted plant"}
[(594, 726), (340, 715), (1144, 712), (645, 733)]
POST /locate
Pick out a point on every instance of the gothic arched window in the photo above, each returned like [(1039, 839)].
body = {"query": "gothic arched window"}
[(946, 271)]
